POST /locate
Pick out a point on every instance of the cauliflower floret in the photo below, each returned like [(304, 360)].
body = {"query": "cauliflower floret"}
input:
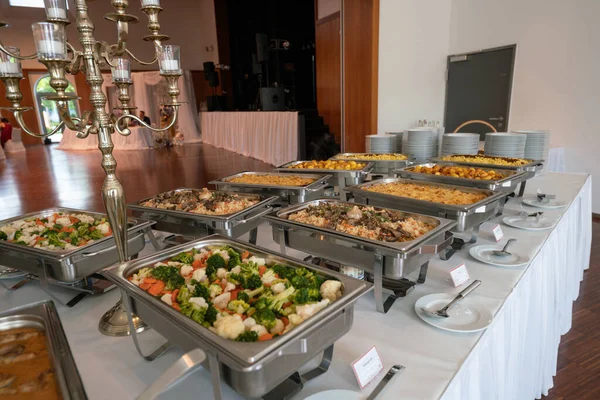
[(18, 224), (229, 327), (199, 274), (215, 290), (278, 287), (104, 228), (64, 221), (167, 299), (221, 300), (308, 310), (221, 273), (137, 278), (278, 328), (331, 290), (186, 270), (268, 277), (236, 270), (222, 253), (85, 218), (249, 323), (258, 261), (9, 230), (288, 328), (259, 329), (229, 287), (295, 319), (69, 246), (174, 263), (30, 230), (199, 301), (51, 218)]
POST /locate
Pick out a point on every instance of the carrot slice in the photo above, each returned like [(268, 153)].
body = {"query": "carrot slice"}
[(266, 336), (262, 269), (285, 321), (176, 306), (156, 288), (149, 280), (286, 305), (174, 295), (73, 220), (145, 286), (197, 264), (234, 294), (245, 255), (38, 222)]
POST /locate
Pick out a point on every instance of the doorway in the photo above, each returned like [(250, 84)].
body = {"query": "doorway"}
[(478, 88)]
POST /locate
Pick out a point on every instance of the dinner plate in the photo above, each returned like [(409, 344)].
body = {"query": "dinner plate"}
[(465, 316), (529, 224), (553, 203), (336, 394), (485, 254), (7, 273)]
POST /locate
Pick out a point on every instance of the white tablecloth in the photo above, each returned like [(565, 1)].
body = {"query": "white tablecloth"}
[(556, 160), (515, 358), (141, 138), (268, 136)]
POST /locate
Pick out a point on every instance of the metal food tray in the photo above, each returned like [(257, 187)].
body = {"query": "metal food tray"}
[(193, 225), (70, 265), (252, 369), (385, 167), (392, 260), (339, 177), (43, 316), (287, 194), (508, 183)]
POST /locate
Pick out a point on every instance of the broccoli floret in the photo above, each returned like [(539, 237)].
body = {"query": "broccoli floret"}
[(265, 317), (304, 272), (288, 310), (276, 302), (306, 295), (96, 234), (18, 234), (283, 271), (243, 296), (215, 290), (184, 295), (261, 303), (252, 282), (74, 239), (213, 263), (234, 258), (195, 312), (63, 235), (58, 227), (248, 336), (169, 275), (83, 229), (238, 306), (21, 242), (53, 240), (201, 291), (211, 315), (238, 279), (183, 257), (255, 292), (3, 235), (300, 282), (250, 268)]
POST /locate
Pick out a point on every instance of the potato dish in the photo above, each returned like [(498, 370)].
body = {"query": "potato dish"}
[(273, 180), (456, 171), (373, 157), (428, 193), (513, 162), (329, 164)]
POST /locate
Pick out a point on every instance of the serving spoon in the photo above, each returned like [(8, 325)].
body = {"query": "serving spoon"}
[(443, 312), (503, 252)]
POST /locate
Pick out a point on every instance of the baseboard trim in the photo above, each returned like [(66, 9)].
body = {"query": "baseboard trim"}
[(595, 217)]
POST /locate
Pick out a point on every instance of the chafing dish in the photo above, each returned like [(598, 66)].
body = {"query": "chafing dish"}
[(70, 266), (43, 316), (508, 183), (252, 369), (341, 178), (530, 170), (385, 167), (287, 194), (193, 225), (390, 260)]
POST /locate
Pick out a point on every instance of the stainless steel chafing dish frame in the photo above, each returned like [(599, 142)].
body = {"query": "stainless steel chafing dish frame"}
[(189, 224), (252, 369), (287, 194), (340, 177), (385, 167), (390, 260), (43, 316), (531, 169), (70, 266), (507, 184)]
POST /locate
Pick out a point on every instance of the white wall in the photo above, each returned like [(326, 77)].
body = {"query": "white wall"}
[(413, 46), (556, 85)]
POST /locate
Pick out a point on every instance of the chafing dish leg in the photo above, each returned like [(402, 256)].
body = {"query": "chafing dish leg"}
[(341, 188), (423, 273), (322, 368), (215, 373), (475, 234), (253, 236), (380, 305), (522, 189), (282, 240)]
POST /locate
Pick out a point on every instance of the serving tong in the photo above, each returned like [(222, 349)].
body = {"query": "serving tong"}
[(443, 312), (544, 198)]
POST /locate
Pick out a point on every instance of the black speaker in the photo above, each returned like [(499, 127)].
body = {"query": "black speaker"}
[(272, 99), (216, 103), (256, 66), (213, 79), (209, 67), (262, 47)]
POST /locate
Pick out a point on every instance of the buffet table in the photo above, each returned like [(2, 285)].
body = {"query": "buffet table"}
[(515, 358), (268, 136), (141, 138)]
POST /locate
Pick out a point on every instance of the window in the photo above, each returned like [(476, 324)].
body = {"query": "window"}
[(47, 109), (27, 3)]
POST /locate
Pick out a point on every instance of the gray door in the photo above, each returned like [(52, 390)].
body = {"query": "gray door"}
[(478, 88)]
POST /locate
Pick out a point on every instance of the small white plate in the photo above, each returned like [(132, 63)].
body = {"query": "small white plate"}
[(10, 275), (553, 203), (529, 224), (335, 394), (485, 254), (465, 316)]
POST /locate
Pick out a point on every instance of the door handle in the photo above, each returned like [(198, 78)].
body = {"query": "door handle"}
[(496, 119)]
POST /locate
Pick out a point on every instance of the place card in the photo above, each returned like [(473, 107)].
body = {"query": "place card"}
[(367, 367), (459, 275), (498, 234)]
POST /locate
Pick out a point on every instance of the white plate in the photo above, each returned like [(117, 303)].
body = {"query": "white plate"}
[(10, 275), (529, 224), (465, 316), (553, 203), (485, 254), (336, 394)]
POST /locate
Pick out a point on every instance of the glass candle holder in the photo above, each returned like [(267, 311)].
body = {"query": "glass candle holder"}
[(56, 9), (169, 60), (121, 72), (10, 66), (150, 3), (50, 41)]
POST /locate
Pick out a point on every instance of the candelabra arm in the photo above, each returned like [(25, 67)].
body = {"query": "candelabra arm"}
[(19, 117), (18, 57), (125, 131), (77, 124), (137, 60)]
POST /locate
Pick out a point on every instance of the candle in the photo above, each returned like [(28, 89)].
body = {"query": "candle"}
[(120, 75), (50, 47), (56, 13), (9, 68), (169, 65), (150, 3)]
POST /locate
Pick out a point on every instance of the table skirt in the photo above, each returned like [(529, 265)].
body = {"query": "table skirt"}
[(141, 138)]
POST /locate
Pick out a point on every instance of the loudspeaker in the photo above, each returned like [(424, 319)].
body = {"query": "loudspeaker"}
[(213, 79), (262, 47), (209, 67), (216, 103), (256, 66), (272, 99)]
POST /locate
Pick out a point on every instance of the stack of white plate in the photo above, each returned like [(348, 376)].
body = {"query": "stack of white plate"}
[(398, 135), (537, 144), (460, 143), (505, 144), (380, 144), (420, 143)]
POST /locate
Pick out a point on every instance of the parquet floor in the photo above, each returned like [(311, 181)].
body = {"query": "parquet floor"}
[(44, 177)]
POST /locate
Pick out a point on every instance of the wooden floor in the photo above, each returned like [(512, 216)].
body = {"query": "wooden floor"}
[(44, 177)]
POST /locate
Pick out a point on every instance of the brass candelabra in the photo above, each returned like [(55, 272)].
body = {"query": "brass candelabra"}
[(60, 57)]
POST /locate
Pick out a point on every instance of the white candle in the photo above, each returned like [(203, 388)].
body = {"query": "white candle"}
[(51, 47), (57, 13), (169, 65), (9, 68), (120, 74), (150, 3)]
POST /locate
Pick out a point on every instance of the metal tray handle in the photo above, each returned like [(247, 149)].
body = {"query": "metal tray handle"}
[(112, 248), (323, 183), (267, 210), (437, 248)]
